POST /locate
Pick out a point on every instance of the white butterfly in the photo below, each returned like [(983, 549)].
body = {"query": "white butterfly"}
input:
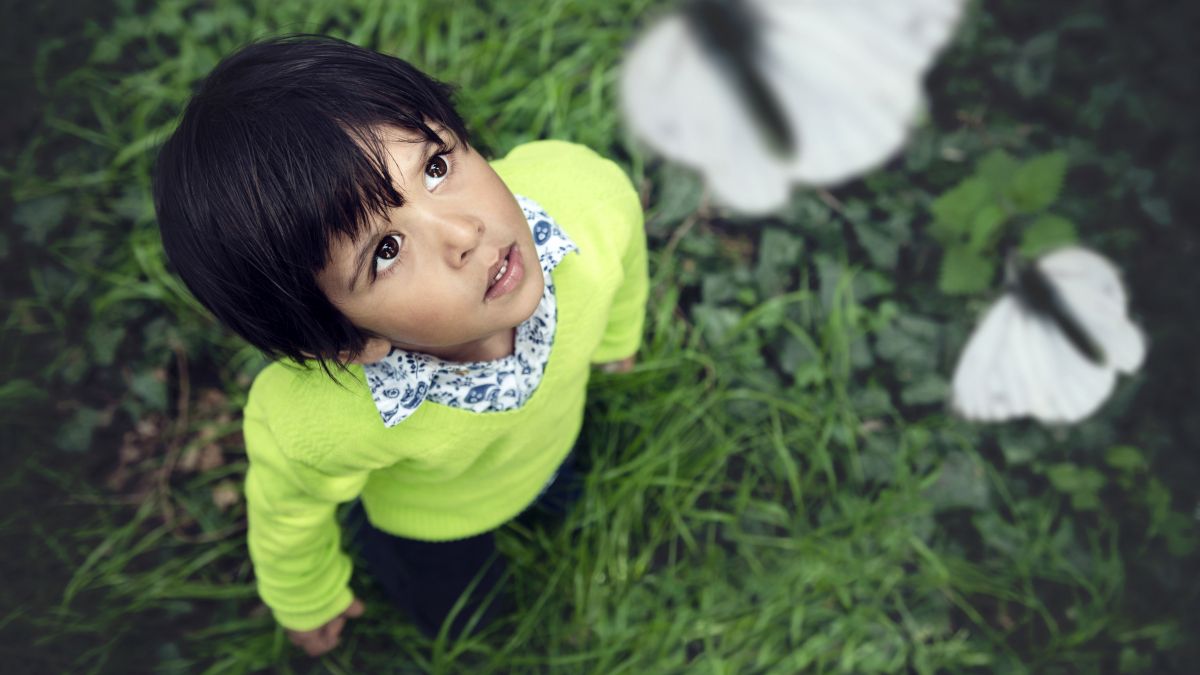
[(1052, 346), (759, 94)]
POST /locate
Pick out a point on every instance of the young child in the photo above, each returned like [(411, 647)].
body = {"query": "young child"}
[(434, 318)]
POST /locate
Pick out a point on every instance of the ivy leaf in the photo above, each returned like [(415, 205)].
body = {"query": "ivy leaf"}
[(104, 339), (1034, 69), (796, 354), (40, 216), (76, 434), (679, 192), (999, 533), (779, 253), (931, 388), (1046, 233), (150, 388), (964, 272), (962, 483), (882, 248), (718, 288), (1037, 182), (954, 211), (716, 323), (910, 341)]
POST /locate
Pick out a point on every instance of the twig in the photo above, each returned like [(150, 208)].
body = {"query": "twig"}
[(832, 202), (163, 491), (684, 227)]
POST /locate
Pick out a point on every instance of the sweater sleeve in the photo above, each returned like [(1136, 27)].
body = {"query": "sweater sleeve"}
[(293, 535), (623, 333)]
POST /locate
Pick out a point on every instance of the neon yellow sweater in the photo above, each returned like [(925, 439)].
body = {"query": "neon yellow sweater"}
[(444, 473)]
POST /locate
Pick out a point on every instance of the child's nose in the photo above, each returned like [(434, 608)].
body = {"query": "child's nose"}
[(462, 236)]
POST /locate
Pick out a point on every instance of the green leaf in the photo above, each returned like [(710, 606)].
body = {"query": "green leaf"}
[(779, 254), (678, 195), (829, 275), (40, 216), (1033, 71), (1125, 458), (962, 483), (716, 322), (797, 355), (954, 211), (1180, 533), (911, 341), (882, 240), (17, 394), (718, 288), (860, 353), (1131, 661), (1046, 233), (149, 387), (1157, 500), (1016, 453), (1037, 183), (931, 388), (1081, 483), (997, 168), (964, 272), (76, 434), (104, 339), (985, 226), (999, 533)]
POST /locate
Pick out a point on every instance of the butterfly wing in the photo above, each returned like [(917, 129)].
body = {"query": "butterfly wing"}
[(849, 76), (1073, 386), (1017, 364), (981, 388), (680, 105), (846, 73), (1091, 288)]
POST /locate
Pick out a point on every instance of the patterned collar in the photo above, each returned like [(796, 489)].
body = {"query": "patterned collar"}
[(403, 380)]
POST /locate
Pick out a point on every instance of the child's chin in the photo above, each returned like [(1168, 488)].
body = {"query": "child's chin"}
[(532, 304), (534, 294)]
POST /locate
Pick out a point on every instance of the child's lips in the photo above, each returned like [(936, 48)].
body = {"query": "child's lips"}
[(513, 273)]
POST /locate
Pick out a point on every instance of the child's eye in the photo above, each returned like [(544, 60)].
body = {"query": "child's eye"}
[(436, 170), (388, 252)]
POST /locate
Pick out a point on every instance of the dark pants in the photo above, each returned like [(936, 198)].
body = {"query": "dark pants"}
[(425, 578)]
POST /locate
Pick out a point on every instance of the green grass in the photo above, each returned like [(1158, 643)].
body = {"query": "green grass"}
[(776, 488)]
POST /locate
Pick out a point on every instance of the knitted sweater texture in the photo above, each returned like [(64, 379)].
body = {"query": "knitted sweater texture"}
[(444, 473)]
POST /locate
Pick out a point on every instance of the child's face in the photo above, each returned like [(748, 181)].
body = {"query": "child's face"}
[(424, 281)]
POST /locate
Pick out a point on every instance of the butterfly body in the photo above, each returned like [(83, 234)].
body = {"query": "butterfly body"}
[(1036, 293), (730, 34)]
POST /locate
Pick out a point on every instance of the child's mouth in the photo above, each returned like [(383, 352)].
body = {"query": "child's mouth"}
[(507, 276)]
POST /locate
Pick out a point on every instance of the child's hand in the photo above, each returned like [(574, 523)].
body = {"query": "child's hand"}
[(622, 366), (319, 640)]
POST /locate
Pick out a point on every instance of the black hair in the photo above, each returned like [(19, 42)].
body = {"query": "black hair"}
[(276, 156)]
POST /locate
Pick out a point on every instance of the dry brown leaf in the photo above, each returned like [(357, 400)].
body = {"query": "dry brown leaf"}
[(210, 458), (225, 494)]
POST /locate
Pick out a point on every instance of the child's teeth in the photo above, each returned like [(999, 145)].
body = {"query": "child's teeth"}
[(503, 269)]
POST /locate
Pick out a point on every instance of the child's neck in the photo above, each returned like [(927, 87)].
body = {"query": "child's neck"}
[(492, 348)]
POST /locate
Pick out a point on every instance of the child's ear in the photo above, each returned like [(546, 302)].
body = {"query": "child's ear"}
[(374, 350)]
